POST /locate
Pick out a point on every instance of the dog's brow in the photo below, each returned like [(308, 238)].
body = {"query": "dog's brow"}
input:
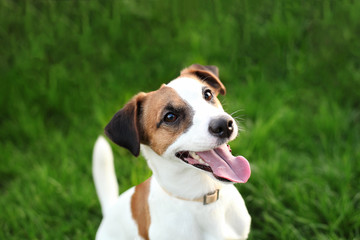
[(174, 107)]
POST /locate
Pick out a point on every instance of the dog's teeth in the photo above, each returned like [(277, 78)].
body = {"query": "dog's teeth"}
[(198, 158), (194, 156)]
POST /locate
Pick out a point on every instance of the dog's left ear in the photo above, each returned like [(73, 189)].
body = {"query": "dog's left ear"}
[(123, 129), (208, 74)]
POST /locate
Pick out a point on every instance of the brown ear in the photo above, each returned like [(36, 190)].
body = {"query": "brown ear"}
[(208, 74), (123, 128)]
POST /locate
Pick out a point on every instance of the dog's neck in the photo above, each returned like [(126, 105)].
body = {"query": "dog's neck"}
[(178, 179)]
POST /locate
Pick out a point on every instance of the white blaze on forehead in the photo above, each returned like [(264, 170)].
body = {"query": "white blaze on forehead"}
[(191, 90), (186, 87)]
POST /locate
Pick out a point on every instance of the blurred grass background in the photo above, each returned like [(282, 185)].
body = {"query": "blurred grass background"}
[(291, 67)]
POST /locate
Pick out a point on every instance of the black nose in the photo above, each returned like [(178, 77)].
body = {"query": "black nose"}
[(221, 127)]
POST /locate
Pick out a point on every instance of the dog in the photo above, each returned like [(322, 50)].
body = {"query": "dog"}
[(182, 131)]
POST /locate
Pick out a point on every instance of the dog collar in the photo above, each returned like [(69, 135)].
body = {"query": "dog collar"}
[(206, 199)]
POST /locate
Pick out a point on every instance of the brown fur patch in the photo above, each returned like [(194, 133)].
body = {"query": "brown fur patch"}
[(208, 74), (140, 208), (156, 133)]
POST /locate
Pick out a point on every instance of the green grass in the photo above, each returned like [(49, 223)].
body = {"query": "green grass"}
[(291, 67)]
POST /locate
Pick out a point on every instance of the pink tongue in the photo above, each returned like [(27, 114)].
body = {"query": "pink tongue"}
[(225, 165)]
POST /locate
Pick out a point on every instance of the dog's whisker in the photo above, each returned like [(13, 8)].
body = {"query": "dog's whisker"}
[(239, 118), (239, 110)]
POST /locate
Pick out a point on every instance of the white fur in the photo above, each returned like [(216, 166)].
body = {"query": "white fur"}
[(171, 217)]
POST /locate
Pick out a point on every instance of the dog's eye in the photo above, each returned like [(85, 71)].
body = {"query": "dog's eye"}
[(208, 95), (170, 117)]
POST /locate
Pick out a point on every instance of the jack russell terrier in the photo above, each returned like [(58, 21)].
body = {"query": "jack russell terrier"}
[(182, 131)]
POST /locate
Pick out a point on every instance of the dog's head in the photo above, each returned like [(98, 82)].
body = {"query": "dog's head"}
[(184, 122)]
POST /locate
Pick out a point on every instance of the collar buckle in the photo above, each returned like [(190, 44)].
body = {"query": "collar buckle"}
[(211, 197)]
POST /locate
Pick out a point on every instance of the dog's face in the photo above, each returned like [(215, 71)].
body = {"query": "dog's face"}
[(183, 121)]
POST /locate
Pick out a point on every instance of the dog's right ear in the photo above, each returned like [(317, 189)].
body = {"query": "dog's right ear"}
[(123, 129)]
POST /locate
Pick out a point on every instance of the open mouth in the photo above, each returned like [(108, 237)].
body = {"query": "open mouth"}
[(220, 162)]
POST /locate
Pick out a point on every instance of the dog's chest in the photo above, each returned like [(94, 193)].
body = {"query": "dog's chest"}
[(186, 219), (191, 222)]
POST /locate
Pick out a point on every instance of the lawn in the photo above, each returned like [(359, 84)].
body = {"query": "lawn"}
[(292, 71)]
